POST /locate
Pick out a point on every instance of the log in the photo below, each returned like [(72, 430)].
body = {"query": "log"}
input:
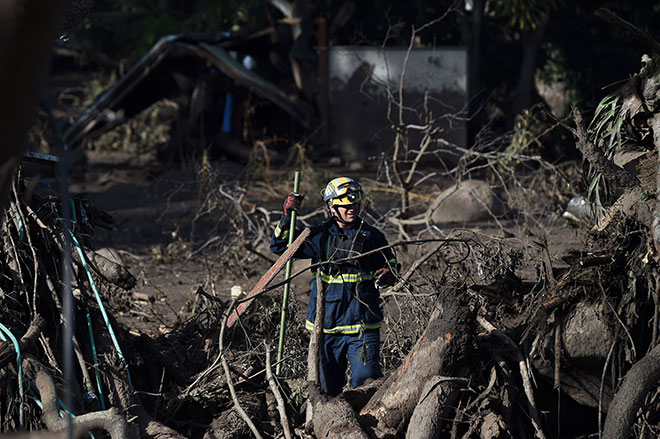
[(333, 417), (637, 383), (438, 398), (110, 420), (111, 271), (440, 349)]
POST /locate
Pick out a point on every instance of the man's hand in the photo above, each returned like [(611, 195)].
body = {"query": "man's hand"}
[(384, 278), (292, 202)]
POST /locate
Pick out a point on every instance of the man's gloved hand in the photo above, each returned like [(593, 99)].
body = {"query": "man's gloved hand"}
[(384, 278), (292, 202)]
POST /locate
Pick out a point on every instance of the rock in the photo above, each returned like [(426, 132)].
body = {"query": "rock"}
[(493, 427), (586, 340), (586, 333), (466, 201), (110, 253), (580, 209)]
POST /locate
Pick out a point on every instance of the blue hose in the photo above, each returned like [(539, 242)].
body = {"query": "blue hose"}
[(19, 360), (103, 312), (95, 358)]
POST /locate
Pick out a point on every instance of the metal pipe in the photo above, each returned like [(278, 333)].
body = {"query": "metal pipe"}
[(287, 275)]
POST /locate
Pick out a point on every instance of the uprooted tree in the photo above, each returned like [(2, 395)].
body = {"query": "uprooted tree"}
[(501, 338)]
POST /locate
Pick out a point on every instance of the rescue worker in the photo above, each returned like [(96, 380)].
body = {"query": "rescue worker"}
[(352, 310)]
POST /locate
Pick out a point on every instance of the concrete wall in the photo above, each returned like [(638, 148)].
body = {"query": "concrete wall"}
[(359, 80)]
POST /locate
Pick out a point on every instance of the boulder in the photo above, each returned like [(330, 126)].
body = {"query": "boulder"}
[(466, 201)]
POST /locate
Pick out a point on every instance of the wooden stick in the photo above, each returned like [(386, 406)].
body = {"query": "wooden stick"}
[(230, 384), (267, 277), (524, 373), (281, 407)]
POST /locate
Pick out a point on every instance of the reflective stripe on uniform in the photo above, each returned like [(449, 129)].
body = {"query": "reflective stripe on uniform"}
[(279, 233), (345, 278), (348, 329)]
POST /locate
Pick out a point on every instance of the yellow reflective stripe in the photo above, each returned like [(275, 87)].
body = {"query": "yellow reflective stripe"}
[(338, 182), (345, 278), (348, 329), (280, 233)]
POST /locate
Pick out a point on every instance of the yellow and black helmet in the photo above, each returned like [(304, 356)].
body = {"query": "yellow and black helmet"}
[(342, 191)]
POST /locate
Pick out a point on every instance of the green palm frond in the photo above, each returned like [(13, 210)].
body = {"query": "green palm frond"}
[(525, 14), (605, 127), (605, 132)]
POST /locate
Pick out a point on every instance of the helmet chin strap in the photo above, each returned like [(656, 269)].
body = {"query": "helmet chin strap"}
[(337, 217)]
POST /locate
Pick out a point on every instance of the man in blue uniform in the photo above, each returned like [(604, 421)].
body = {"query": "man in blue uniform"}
[(352, 311)]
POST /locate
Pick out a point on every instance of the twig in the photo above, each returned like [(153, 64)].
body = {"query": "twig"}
[(602, 386), (597, 159), (361, 255), (623, 325), (315, 343), (35, 260), (557, 356), (629, 28), (230, 384), (654, 285), (524, 372), (281, 407), (557, 384), (477, 400), (221, 353), (418, 263)]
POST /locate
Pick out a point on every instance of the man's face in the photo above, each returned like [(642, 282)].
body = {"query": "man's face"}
[(347, 213)]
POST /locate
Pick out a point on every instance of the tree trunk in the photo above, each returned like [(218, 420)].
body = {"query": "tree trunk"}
[(476, 92), (438, 398), (28, 29), (525, 89), (439, 350), (333, 417), (638, 382)]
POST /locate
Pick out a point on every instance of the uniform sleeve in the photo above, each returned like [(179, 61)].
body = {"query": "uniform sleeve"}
[(388, 257), (279, 240)]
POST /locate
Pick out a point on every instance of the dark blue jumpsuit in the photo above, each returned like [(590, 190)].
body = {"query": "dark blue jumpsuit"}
[(352, 312)]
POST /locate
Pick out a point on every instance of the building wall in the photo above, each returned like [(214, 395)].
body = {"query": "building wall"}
[(365, 81)]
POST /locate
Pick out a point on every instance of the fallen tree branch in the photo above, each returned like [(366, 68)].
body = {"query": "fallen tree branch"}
[(109, 420), (524, 372), (30, 336), (281, 406), (637, 383), (438, 398), (629, 28), (613, 173), (315, 342), (438, 352), (230, 384), (333, 417)]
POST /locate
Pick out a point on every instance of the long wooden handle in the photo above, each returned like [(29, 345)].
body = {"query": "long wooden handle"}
[(268, 276)]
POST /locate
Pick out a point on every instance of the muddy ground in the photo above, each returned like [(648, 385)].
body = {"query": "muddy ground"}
[(153, 204)]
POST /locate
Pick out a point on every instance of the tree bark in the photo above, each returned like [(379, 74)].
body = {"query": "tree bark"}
[(109, 420), (333, 417), (637, 383), (439, 350), (525, 89), (438, 398)]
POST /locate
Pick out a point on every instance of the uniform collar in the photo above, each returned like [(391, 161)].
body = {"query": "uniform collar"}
[(336, 230)]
